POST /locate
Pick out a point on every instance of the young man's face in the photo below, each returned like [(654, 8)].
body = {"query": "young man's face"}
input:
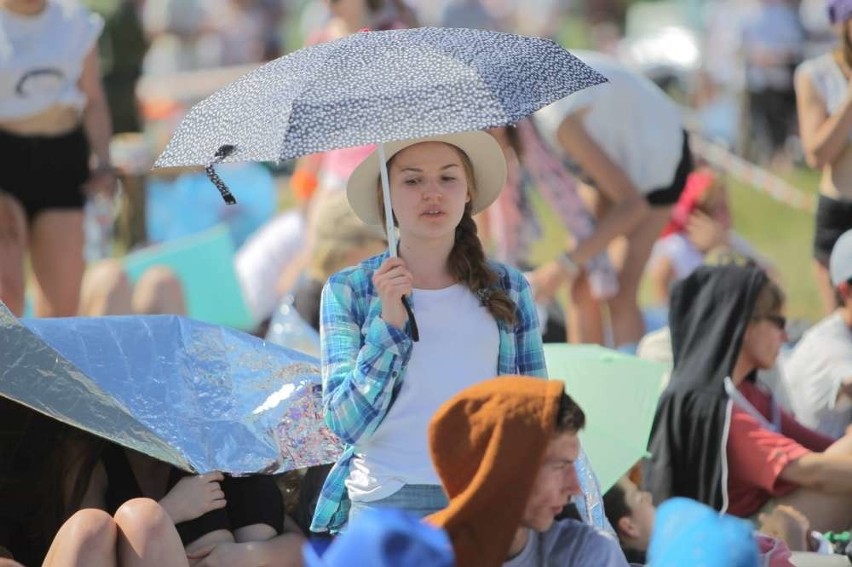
[(555, 484)]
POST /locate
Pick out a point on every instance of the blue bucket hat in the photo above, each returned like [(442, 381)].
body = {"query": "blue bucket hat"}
[(383, 537), (687, 532)]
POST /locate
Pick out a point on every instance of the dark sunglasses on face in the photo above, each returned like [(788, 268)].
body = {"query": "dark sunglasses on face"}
[(778, 321)]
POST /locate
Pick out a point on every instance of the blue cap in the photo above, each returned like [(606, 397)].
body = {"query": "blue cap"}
[(840, 263), (687, 532), (383, 537)]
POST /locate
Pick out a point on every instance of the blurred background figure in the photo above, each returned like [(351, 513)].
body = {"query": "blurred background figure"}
[(701, 225), (825, 122), (54, 137), (122, 47), (772, 44)]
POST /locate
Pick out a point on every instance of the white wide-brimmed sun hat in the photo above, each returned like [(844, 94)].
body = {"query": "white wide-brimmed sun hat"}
[(485, 154)]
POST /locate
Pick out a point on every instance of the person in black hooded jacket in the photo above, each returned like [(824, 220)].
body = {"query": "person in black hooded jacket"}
[(717, 437)]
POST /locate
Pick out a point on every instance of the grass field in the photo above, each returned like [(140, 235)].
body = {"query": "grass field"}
[(777, 231)]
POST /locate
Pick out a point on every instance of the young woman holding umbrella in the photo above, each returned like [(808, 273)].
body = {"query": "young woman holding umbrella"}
[(476, 320)]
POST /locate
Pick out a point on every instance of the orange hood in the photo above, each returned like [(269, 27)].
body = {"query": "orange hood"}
[(487, 444)]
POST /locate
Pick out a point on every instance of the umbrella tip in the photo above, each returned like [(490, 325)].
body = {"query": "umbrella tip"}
[(225, 150)]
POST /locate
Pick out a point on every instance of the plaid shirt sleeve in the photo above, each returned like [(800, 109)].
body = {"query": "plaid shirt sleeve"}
[(529, 350), (358, 372)]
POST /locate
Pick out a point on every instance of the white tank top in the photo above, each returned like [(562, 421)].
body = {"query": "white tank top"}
[(828, 80), (41, 58)]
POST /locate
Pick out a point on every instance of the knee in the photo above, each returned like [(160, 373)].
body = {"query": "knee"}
[(144, 517), (13, 224), (90, 529), (581, 291), (106, 290), (626, 296), (159, 291)]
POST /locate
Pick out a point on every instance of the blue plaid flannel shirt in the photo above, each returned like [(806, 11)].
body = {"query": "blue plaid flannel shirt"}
[(363, 364)]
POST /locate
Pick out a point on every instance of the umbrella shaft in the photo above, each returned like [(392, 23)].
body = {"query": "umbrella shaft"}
[(389, 228)]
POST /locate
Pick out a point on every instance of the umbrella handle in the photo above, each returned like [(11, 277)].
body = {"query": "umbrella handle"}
[(415, 333), (390, 230)]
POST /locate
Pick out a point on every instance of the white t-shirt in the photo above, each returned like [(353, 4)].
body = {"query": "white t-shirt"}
[(686, 258), (261, 260), (569, 543), (41, 58), (647, 144), (458, 347), (815, 371)]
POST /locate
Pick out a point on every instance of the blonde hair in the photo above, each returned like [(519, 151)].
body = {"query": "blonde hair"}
[(336, 232)]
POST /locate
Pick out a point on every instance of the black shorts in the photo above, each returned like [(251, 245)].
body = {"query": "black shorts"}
[(666, 196), (45, 172), (833, 218)]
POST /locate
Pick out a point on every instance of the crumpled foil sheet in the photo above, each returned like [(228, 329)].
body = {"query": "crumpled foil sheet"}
[(199, 396)]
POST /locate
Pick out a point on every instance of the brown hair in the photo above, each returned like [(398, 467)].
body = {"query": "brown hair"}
[(769, 300), (467, 262), (570, 417)]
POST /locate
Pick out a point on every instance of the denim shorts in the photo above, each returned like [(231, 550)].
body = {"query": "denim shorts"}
[(417, 499)]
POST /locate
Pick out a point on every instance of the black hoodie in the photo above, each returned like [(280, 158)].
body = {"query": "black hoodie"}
[(709, 313)]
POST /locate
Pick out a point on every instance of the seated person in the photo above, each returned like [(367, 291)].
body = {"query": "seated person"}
[(228, 519), (107, 290), (820, 367), (505, 452), (700, 225), (140, 534), (339, 239), (631, 513), (719, 438)]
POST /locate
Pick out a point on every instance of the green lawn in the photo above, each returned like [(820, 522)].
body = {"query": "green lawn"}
[(784, 235)]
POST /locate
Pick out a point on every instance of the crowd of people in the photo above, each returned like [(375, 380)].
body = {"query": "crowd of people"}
[(434, 376)]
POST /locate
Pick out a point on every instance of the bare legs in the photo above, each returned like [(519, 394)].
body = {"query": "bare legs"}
[(108, 291), (56, 252), (141, 534), (629, 255), (13, 245)]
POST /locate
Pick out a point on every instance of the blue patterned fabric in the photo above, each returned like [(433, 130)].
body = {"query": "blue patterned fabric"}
[(363, 365)]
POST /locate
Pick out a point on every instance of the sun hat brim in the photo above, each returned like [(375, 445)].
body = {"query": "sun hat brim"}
[(485, 154)]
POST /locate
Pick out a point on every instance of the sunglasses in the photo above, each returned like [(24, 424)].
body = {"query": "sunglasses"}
[(778, 321)]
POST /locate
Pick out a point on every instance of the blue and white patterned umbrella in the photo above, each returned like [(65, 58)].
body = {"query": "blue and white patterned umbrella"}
[(375, 87)]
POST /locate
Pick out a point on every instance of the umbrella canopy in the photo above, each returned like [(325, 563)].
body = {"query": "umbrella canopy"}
[(619, 395), (375, 87), (198, 396)]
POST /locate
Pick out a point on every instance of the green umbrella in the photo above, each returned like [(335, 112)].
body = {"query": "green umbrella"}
[(618, 394)]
